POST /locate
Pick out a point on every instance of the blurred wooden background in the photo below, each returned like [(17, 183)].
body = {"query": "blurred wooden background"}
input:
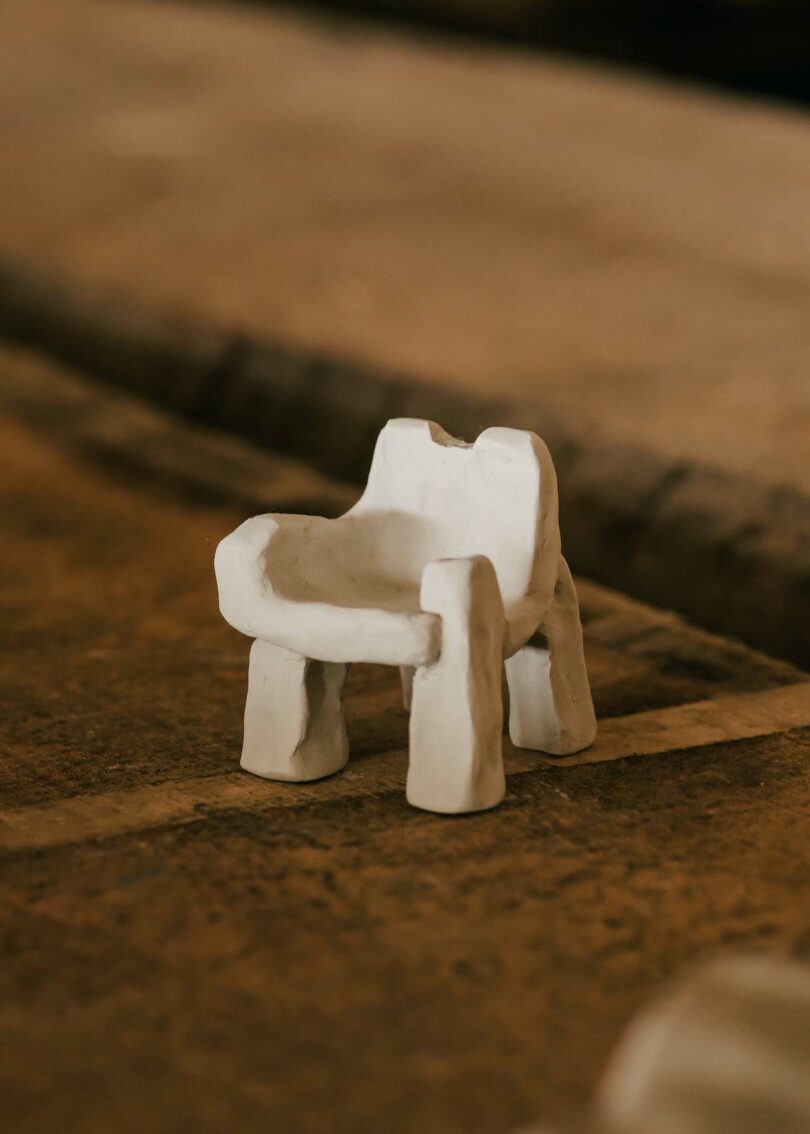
[(623, 264)]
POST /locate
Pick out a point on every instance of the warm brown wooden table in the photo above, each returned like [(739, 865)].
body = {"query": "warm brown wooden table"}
[(186, 947)]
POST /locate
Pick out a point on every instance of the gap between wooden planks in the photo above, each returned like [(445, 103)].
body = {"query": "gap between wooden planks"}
[(718, 721)]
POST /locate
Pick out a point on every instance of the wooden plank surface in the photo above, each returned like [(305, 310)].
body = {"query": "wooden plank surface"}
[(657, 732), (188, 947)]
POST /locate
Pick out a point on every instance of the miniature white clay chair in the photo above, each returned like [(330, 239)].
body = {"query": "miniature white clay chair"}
[(448, 564)]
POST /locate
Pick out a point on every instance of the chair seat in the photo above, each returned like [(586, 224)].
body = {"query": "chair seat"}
[(323, 593)]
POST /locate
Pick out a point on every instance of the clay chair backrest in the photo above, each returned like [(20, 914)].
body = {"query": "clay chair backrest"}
[(496, 497)]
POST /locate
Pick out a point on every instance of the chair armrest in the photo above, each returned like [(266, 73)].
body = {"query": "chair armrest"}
[(246, 595), (521, 619), (322, 629), (454, 588)]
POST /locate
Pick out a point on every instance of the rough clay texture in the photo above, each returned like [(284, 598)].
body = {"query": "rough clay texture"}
[(455, 759), (347, 964)]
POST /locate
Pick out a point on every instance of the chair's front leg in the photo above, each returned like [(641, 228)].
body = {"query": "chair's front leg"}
[(294, 726), (456, 759)]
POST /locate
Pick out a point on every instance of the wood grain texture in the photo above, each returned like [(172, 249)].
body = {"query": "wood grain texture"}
[(657, 732), (186, 947)]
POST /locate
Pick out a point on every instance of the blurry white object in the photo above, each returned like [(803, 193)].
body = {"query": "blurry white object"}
[(449, 563), (727, 1052)]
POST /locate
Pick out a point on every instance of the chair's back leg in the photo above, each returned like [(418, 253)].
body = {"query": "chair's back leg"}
[(406, 673), (456, 759), (550, 705), (294, 726)]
